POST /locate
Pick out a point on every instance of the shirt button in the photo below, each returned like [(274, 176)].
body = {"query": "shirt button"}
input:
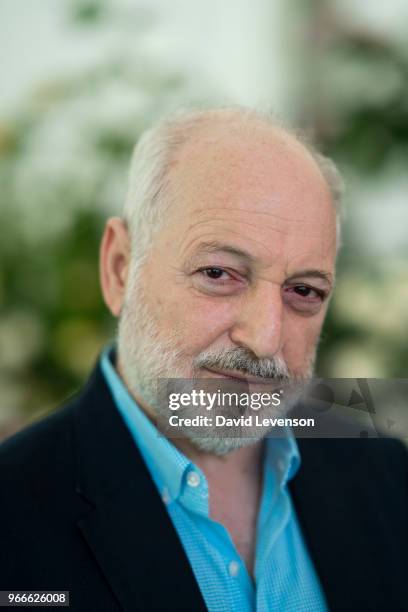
[(233, 568), (193, 479), (281, 465), (166, 496)]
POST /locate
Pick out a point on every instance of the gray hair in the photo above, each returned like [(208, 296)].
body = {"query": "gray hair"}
[(147, 197)]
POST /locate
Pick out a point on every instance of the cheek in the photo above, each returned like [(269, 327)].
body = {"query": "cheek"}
[(301, 335), (196, 322), (204, 323)]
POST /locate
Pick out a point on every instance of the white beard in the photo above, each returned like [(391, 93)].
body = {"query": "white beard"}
[(145, 357)]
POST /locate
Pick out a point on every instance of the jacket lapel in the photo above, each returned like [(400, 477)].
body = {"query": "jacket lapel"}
[(127, 526)]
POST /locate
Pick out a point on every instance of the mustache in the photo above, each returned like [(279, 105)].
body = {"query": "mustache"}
[(242, 360)]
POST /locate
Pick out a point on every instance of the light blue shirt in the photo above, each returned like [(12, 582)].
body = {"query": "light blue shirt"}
[(285, 579)]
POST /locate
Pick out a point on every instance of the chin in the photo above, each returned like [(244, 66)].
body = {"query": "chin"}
[(222, 446)]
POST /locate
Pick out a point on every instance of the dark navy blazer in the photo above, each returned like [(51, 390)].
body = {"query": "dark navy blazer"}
[(80, 513)]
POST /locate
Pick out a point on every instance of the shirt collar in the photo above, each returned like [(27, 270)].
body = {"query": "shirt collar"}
[(168, 466), (282, 456), (165, 462)]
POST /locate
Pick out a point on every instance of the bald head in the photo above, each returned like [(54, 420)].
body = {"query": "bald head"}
[(161, 155)]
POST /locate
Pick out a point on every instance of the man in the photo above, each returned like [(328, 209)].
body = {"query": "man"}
[(222, 268)]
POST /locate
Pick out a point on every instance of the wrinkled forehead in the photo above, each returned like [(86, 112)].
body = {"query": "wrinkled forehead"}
[(254, 172)]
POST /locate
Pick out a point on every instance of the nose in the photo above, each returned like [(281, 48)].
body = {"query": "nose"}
[(258, 324)]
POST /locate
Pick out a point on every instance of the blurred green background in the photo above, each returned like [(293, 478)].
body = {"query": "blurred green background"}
[(81, 79)]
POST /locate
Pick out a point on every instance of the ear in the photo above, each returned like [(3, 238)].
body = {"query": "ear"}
[(114, 263)]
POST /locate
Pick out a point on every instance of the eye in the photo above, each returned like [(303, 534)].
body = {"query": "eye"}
[(214, 273), (214, 280), (306, 292), (305, 298)]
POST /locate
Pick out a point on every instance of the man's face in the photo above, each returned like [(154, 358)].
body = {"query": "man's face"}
[(243, 265)]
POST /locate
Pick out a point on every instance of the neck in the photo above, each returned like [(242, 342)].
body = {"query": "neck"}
[(243, 461)]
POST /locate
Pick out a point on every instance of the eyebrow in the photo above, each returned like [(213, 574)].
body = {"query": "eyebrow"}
[(214, 246), (326, 276)]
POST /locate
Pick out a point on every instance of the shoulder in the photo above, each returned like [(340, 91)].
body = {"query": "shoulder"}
[(39, 441), (357, 453), (38, 464), (370, 453), (358, 469), (51, 436)]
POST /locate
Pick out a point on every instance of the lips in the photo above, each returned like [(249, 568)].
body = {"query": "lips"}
[(238, 377)]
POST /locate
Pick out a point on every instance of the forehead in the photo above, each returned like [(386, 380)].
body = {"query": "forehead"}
[(256, 184)]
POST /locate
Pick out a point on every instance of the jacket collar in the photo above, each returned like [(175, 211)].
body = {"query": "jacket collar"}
[(134, 542)]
